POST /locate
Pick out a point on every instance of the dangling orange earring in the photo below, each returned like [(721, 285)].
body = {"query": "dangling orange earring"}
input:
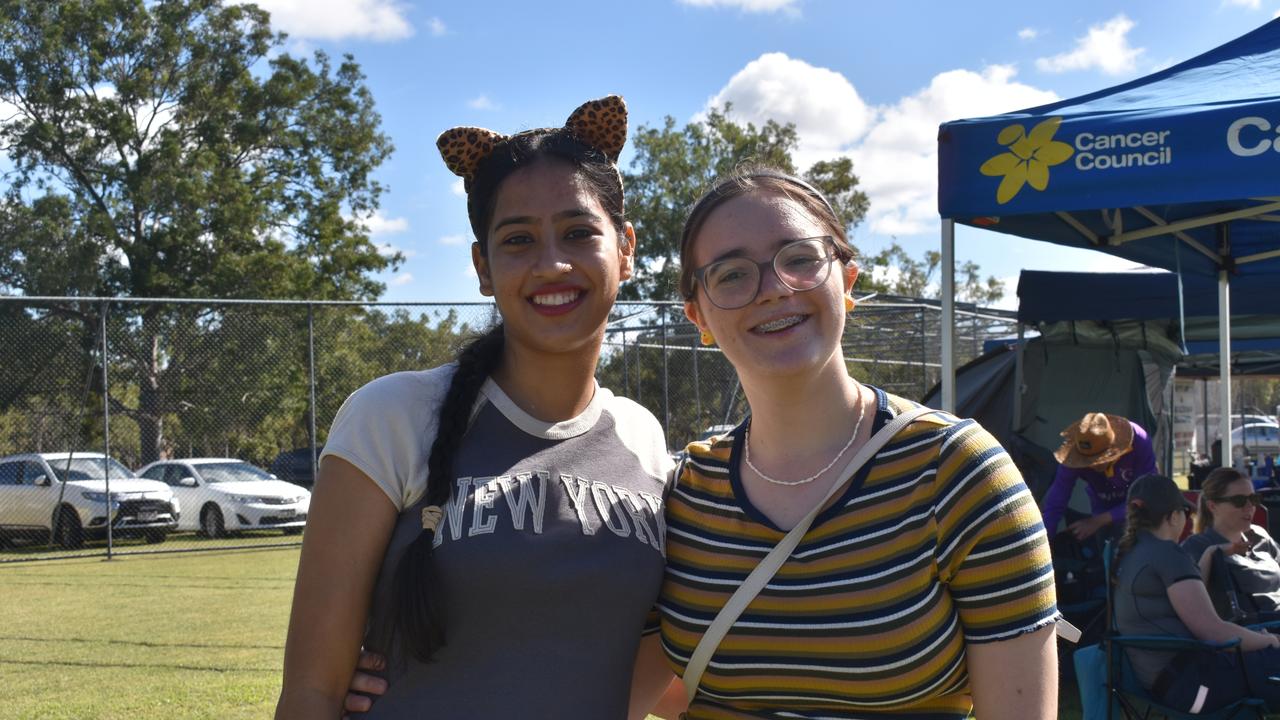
[(707, 339), (849, 302)]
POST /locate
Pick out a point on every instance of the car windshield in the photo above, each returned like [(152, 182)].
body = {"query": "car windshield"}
[(231, 472), (87, 469), (1261, 433)]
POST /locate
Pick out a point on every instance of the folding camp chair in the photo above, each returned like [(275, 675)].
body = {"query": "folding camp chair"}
[(1128, 694)]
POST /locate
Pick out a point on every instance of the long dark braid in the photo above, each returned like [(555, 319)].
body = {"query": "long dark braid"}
[(416, 610)]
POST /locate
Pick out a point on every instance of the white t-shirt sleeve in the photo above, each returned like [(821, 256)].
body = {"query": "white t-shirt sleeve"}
[(386, 429), (642, 433)]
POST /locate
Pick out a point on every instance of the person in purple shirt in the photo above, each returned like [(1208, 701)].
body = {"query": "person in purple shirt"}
[(1108, 452)]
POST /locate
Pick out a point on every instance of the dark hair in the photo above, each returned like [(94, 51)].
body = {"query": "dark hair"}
[(1137, 516), (416, 618), (747, 179), (529, 147), (1214, 487)]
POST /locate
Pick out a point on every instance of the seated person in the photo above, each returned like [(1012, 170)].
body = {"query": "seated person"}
[(1107, 452), (1158, 591), (1252, 558)]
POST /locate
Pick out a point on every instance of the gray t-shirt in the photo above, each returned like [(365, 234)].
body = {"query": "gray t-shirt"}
[(1256, 573), (549, 556), (1142, 599)]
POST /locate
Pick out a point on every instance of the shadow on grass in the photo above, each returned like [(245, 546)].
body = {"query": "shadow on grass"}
[(138, 666), (178, 583), (19, 557), (142, 643)]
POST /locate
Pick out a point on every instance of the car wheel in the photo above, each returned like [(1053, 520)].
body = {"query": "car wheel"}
[(155, 537), (211, 522), (67, 532)]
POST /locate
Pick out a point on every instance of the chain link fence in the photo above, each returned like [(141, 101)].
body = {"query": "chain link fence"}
[(137, 426)]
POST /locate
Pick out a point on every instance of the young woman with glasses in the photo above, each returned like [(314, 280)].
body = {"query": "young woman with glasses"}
[(924, 588), (1224, 521)]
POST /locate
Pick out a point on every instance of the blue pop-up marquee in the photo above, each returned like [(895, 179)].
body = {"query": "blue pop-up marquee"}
[(1178, 170)]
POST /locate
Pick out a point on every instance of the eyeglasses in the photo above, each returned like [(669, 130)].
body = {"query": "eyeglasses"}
[(1239, 501), (800, 264)]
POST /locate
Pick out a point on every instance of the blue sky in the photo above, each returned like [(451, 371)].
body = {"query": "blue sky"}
[(867, 80)]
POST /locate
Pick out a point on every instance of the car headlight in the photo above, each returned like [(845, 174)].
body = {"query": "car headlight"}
[(249, 499)]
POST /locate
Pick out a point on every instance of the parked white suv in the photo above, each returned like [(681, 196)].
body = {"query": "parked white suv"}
[(64, 496), (224, 494)]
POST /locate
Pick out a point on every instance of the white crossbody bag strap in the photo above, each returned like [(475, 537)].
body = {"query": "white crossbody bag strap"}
[(765, 571)]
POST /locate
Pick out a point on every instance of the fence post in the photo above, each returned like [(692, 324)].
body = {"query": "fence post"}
[(106, 425), (924, 354), (697, 384), (666, 399), (311, 384)]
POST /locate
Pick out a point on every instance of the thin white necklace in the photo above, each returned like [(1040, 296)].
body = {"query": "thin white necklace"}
[(862, 408)]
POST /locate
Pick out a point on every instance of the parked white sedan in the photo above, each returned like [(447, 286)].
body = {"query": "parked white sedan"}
[(224, 494)]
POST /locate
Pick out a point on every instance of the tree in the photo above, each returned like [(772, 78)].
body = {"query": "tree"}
[(672, 167), (892, 270), (169, 142)]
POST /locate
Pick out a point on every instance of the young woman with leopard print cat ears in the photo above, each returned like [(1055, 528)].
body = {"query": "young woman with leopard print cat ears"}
[(494, 526)]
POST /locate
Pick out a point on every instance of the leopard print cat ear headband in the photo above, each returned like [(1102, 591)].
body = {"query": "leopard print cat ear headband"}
[(601, 124)]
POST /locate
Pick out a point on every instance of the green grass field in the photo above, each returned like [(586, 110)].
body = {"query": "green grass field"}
[(145, 637), (154, 637)]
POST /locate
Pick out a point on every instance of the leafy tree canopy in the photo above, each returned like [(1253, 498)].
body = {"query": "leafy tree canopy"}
[(172, 142), (896, 272), (169, 148), (673, 166)]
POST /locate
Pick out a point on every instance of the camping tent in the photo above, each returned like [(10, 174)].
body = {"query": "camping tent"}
[(1178, 170), (1112, 348)]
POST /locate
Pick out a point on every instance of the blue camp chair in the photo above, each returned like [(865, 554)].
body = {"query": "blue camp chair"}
[(1123, 687)]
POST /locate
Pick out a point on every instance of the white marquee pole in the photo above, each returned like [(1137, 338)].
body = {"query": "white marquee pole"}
[(948, 315), (1224, 365)]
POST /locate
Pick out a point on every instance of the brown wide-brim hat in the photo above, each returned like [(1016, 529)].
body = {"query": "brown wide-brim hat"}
[(1097, 439)]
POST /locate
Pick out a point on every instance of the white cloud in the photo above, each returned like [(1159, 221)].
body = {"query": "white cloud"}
[(1277, 15), (453, 240), (458, 187), (336, 19), (823, 104), (1250, 4), (894, 147), (402, 279), (1105, 47), (751, 6), (481, 103), (379, 224), (1028, 33), (437, 27), (897, 162)]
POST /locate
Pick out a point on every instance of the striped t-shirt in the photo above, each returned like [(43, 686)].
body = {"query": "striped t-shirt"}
[(935, 543)]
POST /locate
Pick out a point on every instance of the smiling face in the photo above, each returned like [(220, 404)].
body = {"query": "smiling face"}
[(781, 332), (1228, 517), (553, 260)]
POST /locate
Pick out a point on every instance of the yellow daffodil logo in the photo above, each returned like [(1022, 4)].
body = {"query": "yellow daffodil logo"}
[(1029, 158)]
